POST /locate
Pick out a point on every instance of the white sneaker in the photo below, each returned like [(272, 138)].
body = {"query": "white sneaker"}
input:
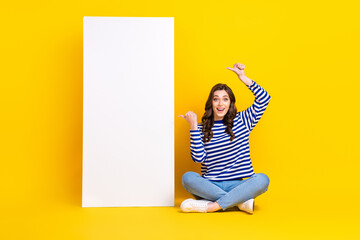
[(192, 205), (247, 206)]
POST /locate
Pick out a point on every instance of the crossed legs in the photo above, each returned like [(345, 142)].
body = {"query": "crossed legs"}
[(224, 197)]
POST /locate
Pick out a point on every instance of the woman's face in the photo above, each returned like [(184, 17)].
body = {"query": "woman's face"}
[(221, 104)]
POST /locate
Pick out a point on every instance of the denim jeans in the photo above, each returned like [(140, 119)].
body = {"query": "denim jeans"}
[(227, 193)]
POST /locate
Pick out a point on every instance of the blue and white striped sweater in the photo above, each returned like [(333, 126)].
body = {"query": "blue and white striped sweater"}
[(224, 160)]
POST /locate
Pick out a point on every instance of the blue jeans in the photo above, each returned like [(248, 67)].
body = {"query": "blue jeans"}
[(226, 193)]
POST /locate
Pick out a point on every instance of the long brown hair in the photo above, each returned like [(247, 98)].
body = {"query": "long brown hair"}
[(208, 117)]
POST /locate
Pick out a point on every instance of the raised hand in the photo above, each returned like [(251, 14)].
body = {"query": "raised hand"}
[(239, 69), (191, 118)]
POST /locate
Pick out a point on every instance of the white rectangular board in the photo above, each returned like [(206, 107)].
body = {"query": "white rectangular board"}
[(128, 111)]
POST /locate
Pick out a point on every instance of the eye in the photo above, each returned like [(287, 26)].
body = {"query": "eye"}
[(215, 99), (226, 99)]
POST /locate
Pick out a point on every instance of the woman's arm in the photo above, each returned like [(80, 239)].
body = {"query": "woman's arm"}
[(252, 115), (197, 149)]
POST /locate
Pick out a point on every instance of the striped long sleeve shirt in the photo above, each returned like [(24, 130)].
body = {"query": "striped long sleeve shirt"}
[(224, 160)]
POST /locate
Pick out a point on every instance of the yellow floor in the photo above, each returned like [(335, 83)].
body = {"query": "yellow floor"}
[(70, 221)]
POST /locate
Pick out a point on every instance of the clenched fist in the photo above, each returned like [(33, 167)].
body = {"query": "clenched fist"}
[(191, 118)]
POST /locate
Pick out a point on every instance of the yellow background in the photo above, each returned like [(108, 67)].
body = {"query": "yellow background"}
[(304, 53)]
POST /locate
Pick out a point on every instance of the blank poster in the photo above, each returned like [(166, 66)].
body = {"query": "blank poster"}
[(128, 112)]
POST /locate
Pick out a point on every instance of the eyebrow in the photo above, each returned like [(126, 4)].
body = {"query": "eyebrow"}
[(223, 96)]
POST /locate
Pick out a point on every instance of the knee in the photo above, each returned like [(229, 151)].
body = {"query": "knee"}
[(188, 177), (263, 180)]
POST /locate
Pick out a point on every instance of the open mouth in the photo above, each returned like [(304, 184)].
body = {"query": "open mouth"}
[(220, 109)]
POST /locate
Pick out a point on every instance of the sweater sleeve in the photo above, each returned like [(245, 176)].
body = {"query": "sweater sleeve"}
[(197, 149), (252, 115)]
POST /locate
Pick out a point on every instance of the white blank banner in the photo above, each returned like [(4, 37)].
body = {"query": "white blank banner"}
[(128, 112)]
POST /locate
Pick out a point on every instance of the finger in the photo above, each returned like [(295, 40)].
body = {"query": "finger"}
[(181, 116)]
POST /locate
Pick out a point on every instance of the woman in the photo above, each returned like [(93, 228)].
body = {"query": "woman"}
[(221, 144)]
